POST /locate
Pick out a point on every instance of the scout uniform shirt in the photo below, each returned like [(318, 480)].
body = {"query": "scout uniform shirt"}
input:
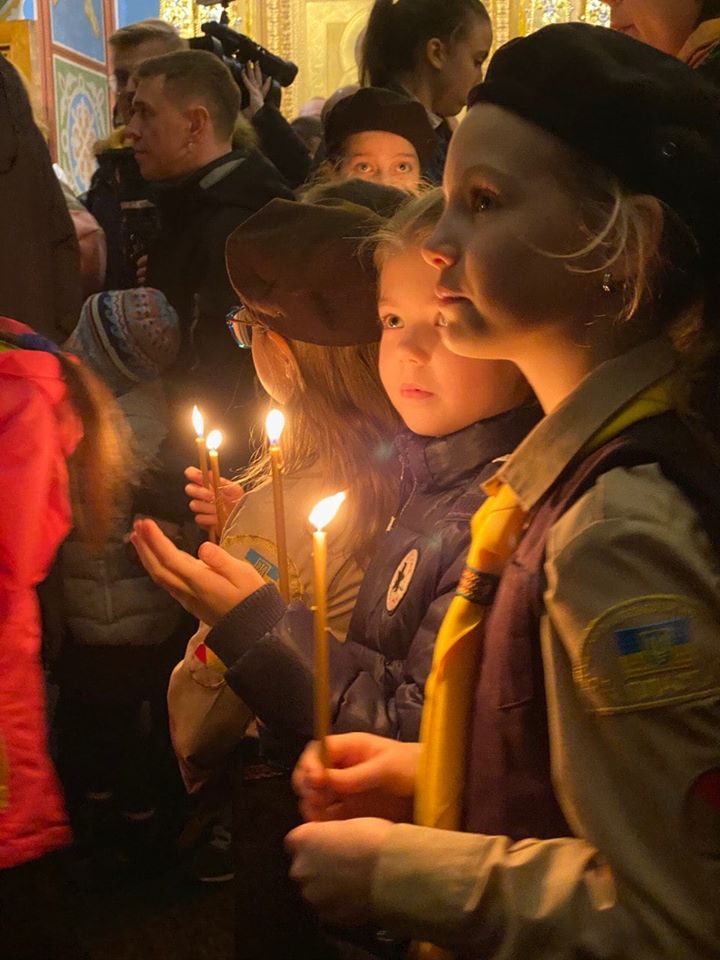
[(630, 636)]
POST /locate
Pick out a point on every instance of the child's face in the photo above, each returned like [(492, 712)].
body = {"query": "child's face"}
[(462, 67), (435, 391), (381, 157), (508, 207)]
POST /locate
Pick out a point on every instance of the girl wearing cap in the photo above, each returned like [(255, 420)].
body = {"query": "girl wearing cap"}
[(57, 435), (432, 51), (572, 723), (381, 136), (309, 319)]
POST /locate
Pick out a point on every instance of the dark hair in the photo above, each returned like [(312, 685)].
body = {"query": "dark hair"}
[(398, 29), (198, 73)]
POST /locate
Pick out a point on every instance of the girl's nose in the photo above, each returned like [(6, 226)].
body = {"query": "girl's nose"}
[(438, 250), (415, 346)]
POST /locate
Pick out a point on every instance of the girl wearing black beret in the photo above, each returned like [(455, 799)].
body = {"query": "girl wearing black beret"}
[(567, 785)]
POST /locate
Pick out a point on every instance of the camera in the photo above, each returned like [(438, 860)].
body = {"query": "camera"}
[(236, 50)]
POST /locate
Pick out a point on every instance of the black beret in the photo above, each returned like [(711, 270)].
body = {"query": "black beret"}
[(304, 269), (639, 113), (373, 108)]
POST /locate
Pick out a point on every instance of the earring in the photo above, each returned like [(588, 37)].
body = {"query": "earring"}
[(607, 282)]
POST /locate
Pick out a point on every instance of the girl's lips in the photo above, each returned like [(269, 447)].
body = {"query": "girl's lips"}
[(410, 391), (447, 297)]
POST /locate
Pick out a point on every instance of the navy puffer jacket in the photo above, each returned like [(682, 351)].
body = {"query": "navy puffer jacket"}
[(378, 674)]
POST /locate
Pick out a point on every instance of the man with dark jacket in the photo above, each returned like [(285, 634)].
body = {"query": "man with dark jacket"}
[(185, 111), (39, 256)]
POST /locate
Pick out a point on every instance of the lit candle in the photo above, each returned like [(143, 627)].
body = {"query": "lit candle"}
[(214, 439), (320, 517), (274, 426), (199, 425)]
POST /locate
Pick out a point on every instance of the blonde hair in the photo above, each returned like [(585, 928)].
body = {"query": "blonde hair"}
[(102, 466), (340, 420), (655, 251), (412, 224), (151, 29)]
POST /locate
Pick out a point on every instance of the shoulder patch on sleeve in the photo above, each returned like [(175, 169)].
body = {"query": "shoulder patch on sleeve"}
[(649, 652), (261, 553)]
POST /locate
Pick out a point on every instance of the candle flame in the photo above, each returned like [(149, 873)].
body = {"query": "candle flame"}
[(274, 426), (198, 422), (214, 439), (324, 511)]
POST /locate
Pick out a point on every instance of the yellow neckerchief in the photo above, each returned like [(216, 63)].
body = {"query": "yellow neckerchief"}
[(496, 531), (699, 43)]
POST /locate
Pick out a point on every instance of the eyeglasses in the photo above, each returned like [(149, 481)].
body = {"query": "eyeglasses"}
[(241, 326)]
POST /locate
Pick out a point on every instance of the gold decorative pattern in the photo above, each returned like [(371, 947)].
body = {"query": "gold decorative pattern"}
[(321, 35)]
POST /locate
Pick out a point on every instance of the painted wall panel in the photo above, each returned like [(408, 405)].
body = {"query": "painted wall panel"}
[(81, 109), (130, 11), (79, 25)]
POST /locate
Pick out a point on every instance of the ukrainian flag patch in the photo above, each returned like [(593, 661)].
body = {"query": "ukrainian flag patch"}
[(649, 652), (266, 568), (655, 646)]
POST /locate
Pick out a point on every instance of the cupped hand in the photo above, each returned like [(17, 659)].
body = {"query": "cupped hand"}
[(367, 776), (202, 499), (208, 586), (334, 865)]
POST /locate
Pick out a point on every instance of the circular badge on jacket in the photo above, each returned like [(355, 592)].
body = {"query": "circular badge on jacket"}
[(400, 580)]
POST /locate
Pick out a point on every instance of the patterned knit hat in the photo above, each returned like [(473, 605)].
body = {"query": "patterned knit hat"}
[(126, 336)]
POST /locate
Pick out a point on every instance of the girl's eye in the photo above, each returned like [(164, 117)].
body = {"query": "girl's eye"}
[(482, 200), (391, 322), (362, 167), (404, 167)]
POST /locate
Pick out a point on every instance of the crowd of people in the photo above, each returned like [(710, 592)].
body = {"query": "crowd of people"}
[(500, 338)]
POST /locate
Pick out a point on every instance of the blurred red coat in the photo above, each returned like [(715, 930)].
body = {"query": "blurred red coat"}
[(38, 432)]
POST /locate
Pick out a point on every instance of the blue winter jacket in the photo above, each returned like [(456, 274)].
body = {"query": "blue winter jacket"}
[(378, 674)]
